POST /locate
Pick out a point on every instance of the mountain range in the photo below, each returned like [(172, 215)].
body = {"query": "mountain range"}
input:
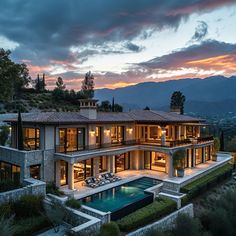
[(211, 95)]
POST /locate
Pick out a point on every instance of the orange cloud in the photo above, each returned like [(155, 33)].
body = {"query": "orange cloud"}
[(224, 62)]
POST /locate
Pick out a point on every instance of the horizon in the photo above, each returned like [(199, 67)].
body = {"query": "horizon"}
[(121, 44)]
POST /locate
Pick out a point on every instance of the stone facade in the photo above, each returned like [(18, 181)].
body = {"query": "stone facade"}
[(32, 187), (165, 223)]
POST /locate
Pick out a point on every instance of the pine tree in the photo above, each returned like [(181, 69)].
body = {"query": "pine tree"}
[(177, 101), (87, 87), (113, 105)]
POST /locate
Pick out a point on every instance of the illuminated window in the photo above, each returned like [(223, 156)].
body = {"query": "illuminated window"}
[(31, 138)]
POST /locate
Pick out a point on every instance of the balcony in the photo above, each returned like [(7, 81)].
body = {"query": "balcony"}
[(201, 140)]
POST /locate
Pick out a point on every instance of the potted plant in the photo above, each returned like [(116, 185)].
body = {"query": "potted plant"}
[(178, 158), (216, 148)]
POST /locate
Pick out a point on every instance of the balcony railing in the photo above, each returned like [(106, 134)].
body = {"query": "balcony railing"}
[(205, 139)]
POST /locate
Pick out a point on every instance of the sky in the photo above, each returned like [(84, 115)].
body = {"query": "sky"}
[(122, 42)]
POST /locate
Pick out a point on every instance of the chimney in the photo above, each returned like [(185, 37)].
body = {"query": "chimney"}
[(175, 110), (88, 108)]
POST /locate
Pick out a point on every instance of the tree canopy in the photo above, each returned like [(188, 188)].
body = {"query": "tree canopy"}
[(106, 106), (177, 101), (87, 88), (13, 76)]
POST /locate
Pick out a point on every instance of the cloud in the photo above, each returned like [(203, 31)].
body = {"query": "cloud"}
[(185, 57), (46, 31), (200, 31)]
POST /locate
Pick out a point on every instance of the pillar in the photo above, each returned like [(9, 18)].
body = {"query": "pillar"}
[(163, 135), (203, 155), (170, 166), (96, 166), (58, 173), (71, 176), (111, 164), (194, 157)]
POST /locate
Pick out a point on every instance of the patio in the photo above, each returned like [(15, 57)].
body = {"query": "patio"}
[(191, 174)]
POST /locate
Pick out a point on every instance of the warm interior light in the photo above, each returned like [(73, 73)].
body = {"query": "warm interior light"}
[(130, 130), (92, 132), (107, 131)]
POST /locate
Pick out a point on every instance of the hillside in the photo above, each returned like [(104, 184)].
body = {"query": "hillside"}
[(201, 94), (35, 102)]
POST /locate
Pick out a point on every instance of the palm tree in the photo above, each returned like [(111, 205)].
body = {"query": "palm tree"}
[(177, 101)]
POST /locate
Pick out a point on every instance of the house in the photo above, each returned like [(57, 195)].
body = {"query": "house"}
[(68, 147)]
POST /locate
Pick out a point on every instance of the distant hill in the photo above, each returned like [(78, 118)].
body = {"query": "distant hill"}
[(210, 95)]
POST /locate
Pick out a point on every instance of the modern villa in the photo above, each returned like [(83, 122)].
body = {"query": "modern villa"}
[(68, 147)]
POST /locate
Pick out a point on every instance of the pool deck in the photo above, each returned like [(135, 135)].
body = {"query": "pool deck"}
[(130, 175)]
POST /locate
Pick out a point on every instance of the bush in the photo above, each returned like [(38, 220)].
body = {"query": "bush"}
[(8, 185), (27, 206), (53, 189), (30, 225), (154, 211), (73, 203), (6, 210), (202, 184), (109, 229)]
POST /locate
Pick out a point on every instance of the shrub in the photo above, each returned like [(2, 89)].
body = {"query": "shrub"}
[(185, 224), (200, 185), (6, 210), (6, 227), (53, 189), (110, 229), (30, 225), (154, 211), (73, 203), (27, 206), (8, 185)]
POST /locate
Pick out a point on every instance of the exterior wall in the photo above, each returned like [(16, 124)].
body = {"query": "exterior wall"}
[(33, 186), (165, 223), (49, 137)]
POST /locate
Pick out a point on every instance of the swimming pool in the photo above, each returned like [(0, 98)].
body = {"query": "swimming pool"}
[(123, 199)]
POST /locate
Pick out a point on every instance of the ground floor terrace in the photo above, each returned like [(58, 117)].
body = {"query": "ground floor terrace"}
[(160, 164)]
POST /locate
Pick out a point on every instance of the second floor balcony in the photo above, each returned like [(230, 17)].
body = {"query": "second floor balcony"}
[(149, 142)]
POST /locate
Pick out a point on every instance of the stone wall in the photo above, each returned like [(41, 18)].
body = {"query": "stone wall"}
[(165, 223), (32, 187)]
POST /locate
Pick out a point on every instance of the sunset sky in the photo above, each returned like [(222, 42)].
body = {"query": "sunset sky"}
[(123, 42)]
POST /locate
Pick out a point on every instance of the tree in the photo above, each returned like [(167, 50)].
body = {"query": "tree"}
[(107, 107), (4, 133), (177, 101), (222, 142), (146, 108), (40, 84), (13, 77), (60, 84), (20, 132), (113, 105), (88, 85)]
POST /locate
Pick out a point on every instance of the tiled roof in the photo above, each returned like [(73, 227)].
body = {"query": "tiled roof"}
[(105, 117)]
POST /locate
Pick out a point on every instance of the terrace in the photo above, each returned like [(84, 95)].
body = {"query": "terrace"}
[(172, 184)]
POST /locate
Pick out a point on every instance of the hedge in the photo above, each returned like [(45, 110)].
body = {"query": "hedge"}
[(110, 229), (154, 211), (200, 185), (73, 203)]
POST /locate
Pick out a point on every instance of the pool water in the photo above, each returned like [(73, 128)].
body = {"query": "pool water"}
[(121, 196)]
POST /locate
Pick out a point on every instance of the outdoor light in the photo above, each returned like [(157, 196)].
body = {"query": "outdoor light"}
[(92, 132), (107, 131), (130, 130)]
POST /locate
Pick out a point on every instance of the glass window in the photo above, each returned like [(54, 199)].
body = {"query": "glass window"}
[(35, 171), (158, 161), (102, 164), (79, 171), (98, 136), (9, 172), (31, 138), (89, 168), (71, 139), (153, 132), (120, 163), (64, 172), (198, 156), (117, 134)]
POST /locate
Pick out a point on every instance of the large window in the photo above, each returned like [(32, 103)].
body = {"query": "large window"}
[(71, 139), (198, 156), (122, 162), (31, 138), (155, 161), (98, 136), (9, 172), (83, 170), (64, 172), (117, 134), (153, 132), (103, 164)]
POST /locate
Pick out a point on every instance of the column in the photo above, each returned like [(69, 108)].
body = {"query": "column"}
[(203, 155), (193, 157), (163, 135), (58, 173), (96, 166), (71, 176), (170, 166), (111, 164)]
